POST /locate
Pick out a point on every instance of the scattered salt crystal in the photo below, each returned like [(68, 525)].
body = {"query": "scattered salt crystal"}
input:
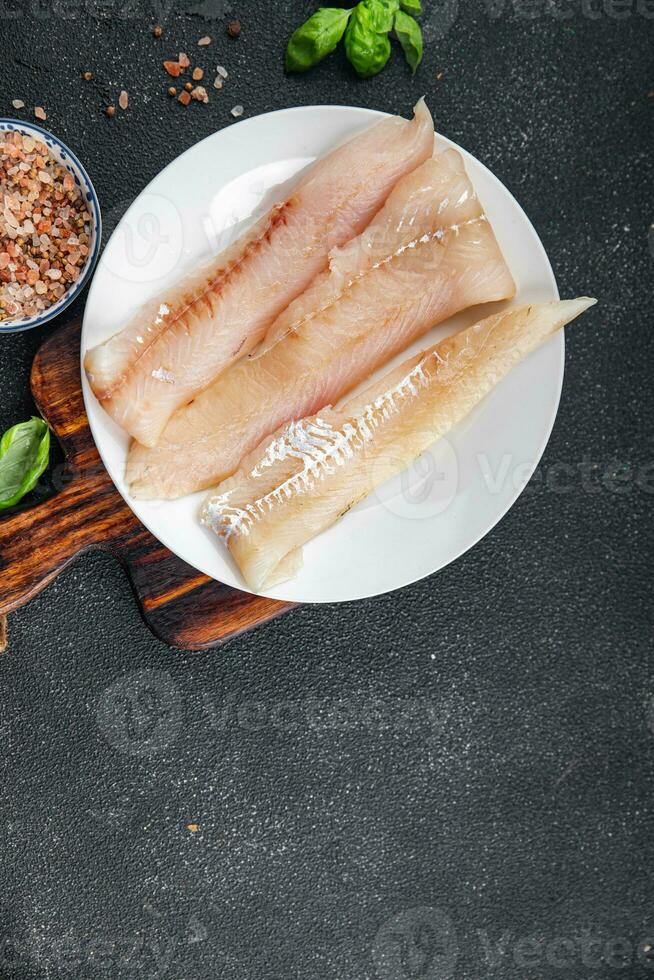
[(54, 273), (199, 93), (40, 287), (123, 99), (237, 111), (183, 60), (40, 112), (202, 43), (222, 71), (218, 82), (18, 104)]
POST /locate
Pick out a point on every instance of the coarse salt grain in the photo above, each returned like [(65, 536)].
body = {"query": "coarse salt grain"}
[(123, 99), (222, 71), (237, 111), (202, 43), (40, 112), (45, 227), (18, 103)]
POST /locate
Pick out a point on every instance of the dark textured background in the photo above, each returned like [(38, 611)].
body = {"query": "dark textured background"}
[(452, 780)]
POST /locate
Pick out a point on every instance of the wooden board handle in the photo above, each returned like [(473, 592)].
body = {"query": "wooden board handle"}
[(181, 605), (37, 543)]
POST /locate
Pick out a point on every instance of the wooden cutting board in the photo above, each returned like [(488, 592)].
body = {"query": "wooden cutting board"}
[(180, 605)]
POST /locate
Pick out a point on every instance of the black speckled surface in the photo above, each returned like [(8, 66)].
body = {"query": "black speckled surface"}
[(454, 781)]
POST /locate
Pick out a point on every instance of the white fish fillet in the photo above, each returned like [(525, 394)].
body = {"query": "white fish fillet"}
[(182, 339), (427, 254), (298, 482)]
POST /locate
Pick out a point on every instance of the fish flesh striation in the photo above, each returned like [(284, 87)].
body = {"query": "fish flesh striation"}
[(429, 253), (300, 480), (180, 341)]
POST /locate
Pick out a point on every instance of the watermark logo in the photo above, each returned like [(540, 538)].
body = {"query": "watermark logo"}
[(141, 714), (424, 489), (416, 944), (148, 243)]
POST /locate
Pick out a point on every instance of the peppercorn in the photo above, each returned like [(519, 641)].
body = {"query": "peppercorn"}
[(110, 111), (172, 91), (87, 76), (157, 30), (234, 28)]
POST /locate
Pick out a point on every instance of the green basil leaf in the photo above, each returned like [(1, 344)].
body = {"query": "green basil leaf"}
[(382, 13), (413, 7), (316, 38), (24, 455), (409, 35), (367, 50)]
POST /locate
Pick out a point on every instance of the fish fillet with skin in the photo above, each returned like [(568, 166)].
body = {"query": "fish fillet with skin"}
[(298, 482), (429, 253), (182, 339)]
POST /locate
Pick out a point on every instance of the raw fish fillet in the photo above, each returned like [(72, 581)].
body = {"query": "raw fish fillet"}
[(427, 254), (298, 482), (182, 339)]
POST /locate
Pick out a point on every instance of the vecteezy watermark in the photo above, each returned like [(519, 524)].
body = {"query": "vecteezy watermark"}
[(428, 487), (141, 714), (592, 949), (585, 476), (152, 951), (422, 944), (440, 16), (326, 715), (416, 943), (155, 11)]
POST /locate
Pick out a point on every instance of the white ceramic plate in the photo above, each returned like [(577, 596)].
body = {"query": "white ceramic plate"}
[(456, 493)]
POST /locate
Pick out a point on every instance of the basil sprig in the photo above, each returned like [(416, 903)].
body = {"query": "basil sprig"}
[(366, 28), (408, 33), (316, 38), (367, 48), (24, 455), (413, 7)]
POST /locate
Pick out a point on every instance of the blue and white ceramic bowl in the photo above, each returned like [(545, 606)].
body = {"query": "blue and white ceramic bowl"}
[(66, 158)]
